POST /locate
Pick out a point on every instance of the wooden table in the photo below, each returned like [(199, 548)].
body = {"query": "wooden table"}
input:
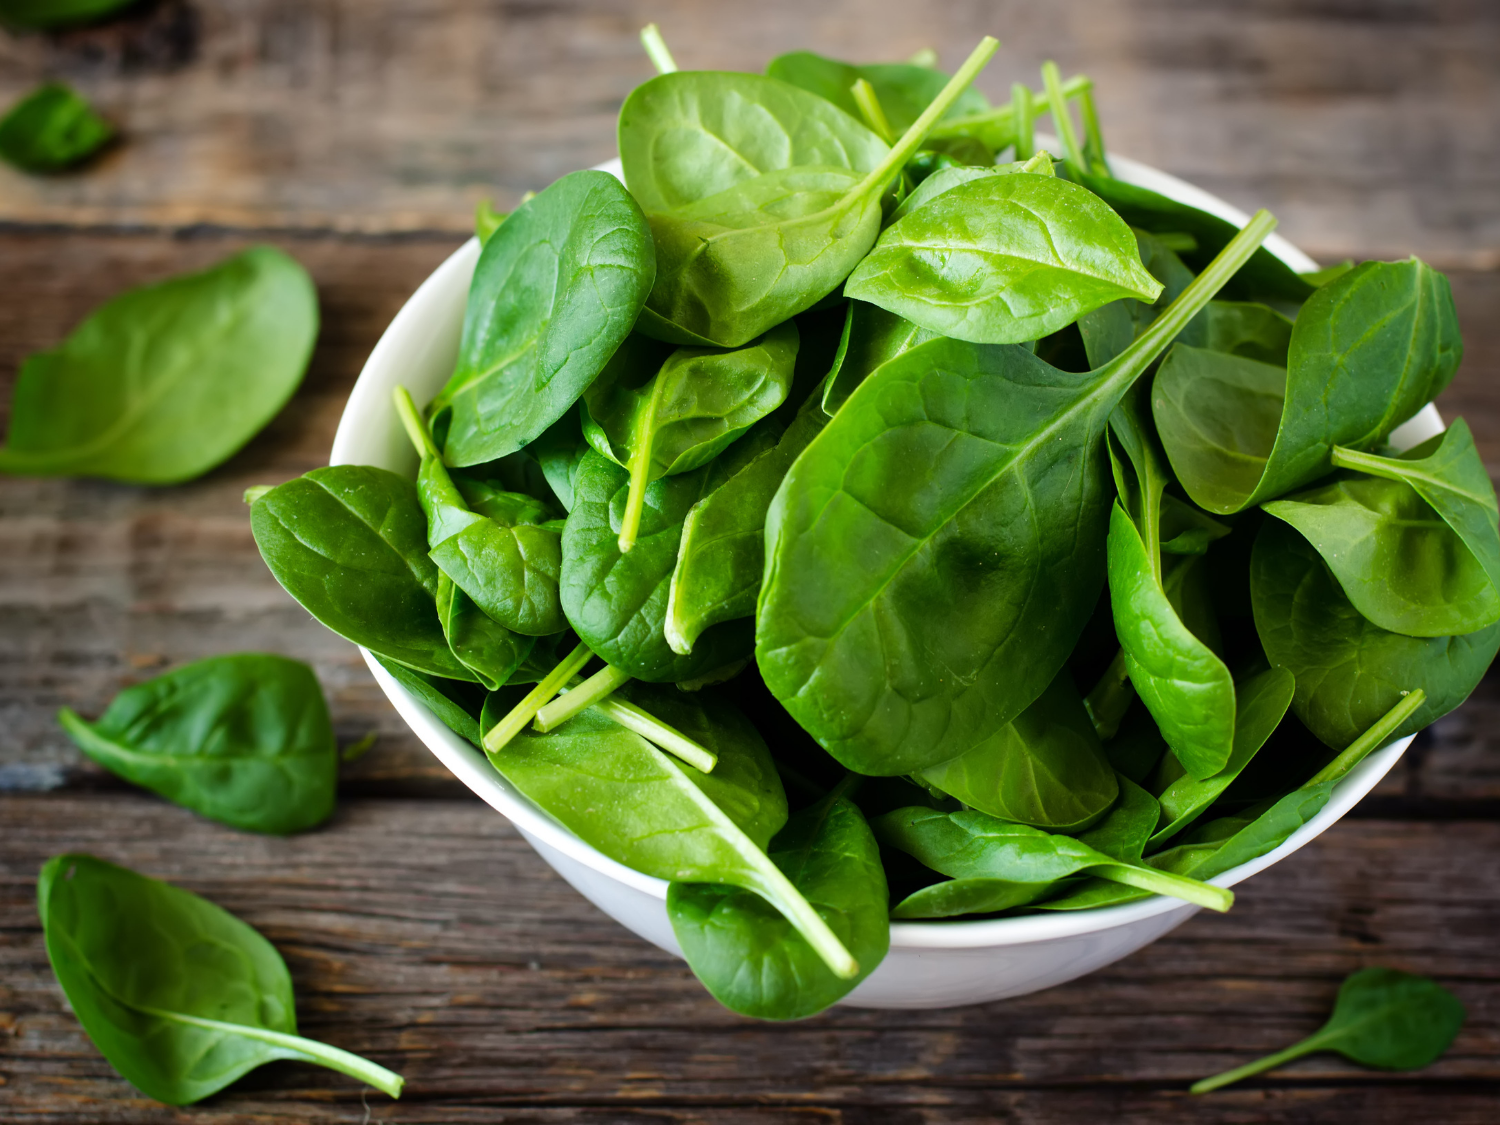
[(420, 930)]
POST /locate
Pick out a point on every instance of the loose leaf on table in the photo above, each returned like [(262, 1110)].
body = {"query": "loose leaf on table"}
[(997, 865), (751, 958), (1382, 1018), (962, 588), (722, 554), (50, 129), (556, 290), (180, 996), (657, 419), (746, 240), (617, 601), (1003, 259), (242, 739), (349, 542), (1400, 564), (1366, 352), (46, 14), (162, 383), (1044, 768), (1350, 671), (623, 796), (871, 337), (456, 704), (904, 90)]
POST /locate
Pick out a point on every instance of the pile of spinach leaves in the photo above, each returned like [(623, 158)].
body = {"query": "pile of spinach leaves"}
[(859, 512)]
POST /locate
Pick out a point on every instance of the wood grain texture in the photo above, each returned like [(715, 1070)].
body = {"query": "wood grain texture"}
[(428, 936), (1368, 128)]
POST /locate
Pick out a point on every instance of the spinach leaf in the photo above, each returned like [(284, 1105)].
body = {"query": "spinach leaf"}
[(1241, 328), (1350, 671), (456, 704), (1044, 768), (164, 382), (556, 290), (946, 179), (349, 543), (1400, 564), (1264, 277), (623, 796), (871, 337), (243, 739), (617, 601), (965, 585), (482, 645), (1366, 352), (722, 554), (560, 452), (732, 265), (1447, 472), (997, 865), (1121, 835), (751, 958), (45, 14), (1002, 260), (487, 220), (903, 89), (658, 423), (51, 128), (1383, 1018), (180, 996)]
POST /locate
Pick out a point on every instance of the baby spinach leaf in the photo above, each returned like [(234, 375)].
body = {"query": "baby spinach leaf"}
[(1044, 768), (751, 958), (482, 645), (903, 90), (164, 382), (1109, 329), (560, 451), (51, 128), (1382, 1018), (722, 554), (684, 415), (1005, 865), (1366, 352), (1350, 671), (617, 601), (349, 543), (734, 264), (243, 739), (1241, 328), (946, 179), (1260, 703), (871, 337), (965, 585), (180, 996), (556, 290), (456, 704), (1447, 472), (1399, 563), (623, 796), (1121, 835), (1003, 259)]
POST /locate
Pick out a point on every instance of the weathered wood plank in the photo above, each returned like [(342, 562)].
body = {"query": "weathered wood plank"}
[(427, 935), (1369, 128)]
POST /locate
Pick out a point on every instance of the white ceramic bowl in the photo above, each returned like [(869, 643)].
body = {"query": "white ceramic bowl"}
[(930, 964)]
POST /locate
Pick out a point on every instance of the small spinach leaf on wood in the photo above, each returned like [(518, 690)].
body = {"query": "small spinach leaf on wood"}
[(349, 543), (557, 288), (164, 382), (966, 584), (1044, 768), (243, 739), (1350, 671), (751, 958), (1002, 260), (50, 129), (1382, 1018), (180, 996), (1366, 352)]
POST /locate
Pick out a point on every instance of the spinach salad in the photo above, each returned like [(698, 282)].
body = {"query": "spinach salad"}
[(861, 512)]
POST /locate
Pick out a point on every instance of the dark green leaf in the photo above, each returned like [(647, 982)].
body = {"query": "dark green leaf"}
[(162, 383), (50, 129), (560, 451), (57, 13), (871, 337), (485, 647), (751, 958), (904, 90), (180, 997), (456, 704), (556, 290), (242, 739)]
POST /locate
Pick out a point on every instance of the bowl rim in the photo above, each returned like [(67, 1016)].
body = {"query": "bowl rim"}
[(412, 335)]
